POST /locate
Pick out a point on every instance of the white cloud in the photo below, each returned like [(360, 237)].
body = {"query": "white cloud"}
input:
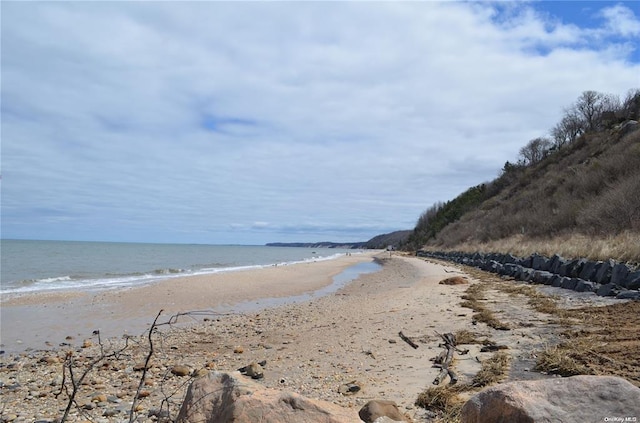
[(620, 20), (153, 121)]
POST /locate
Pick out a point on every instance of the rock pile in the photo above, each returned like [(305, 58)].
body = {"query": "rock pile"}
[(605, 278)]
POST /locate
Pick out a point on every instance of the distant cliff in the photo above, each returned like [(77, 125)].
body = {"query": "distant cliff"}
[(318, 244), (394, 239)]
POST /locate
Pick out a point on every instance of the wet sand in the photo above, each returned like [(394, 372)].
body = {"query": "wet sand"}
[(43, 320)]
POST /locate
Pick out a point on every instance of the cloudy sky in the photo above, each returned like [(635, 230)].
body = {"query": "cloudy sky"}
[(252, 122)]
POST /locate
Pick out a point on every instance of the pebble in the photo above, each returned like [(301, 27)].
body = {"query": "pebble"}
[(181, 370), (99, 398)]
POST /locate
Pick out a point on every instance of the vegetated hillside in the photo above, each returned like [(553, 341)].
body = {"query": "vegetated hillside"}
[(577, 194), (393, 239)]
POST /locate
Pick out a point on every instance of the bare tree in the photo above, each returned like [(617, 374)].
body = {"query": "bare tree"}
[(568, 129), (589, 108), (535, 150), (631, 104)]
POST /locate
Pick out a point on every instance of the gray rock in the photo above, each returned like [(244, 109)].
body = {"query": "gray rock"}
[(608, 290), (555, 263), (603, 271), (542, 277), (575, 267), (632, 281), (586, 286), (562, 400), (588, 271), (628, 295), (569, 283), (619, 274), (539, 262), (628, 126)]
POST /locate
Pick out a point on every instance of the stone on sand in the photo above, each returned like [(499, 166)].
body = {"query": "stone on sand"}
[(374, 410), (227, 397), (572, 399)]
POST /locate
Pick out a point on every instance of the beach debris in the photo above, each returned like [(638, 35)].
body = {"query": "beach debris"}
[(407, 340), (369, 353), (87, 343), (443, 360), (455, 280), (349, 388), (253, 370), (181, 370), (375, 409), (493, 348)]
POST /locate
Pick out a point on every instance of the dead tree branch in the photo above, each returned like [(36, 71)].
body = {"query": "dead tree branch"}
[(407, 340), (444, 360), (144, 370)]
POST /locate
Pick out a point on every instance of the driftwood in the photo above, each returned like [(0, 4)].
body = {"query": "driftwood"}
[(408, 340), (444, 360), (492, 348)]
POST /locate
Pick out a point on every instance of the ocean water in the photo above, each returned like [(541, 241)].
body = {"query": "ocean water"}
[(39, 266)]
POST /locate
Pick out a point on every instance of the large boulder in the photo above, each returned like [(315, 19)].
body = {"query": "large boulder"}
[(560, 400), (229, 397)]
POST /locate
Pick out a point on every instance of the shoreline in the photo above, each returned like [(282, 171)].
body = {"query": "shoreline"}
[(311, 347), (45, 320)]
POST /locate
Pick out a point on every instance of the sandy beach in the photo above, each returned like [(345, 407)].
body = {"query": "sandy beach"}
[(312, 346)]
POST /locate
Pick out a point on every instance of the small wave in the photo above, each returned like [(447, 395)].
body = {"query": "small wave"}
[(168, 271), (120, 281), (55, 279)]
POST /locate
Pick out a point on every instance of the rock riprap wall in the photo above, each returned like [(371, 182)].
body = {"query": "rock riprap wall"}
[(605, 278)]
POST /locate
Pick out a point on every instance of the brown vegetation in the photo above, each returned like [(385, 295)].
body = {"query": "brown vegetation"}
[(473, 299), (574, 195), (607, 343)]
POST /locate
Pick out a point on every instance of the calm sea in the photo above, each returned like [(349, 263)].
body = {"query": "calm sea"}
[(36, 266)]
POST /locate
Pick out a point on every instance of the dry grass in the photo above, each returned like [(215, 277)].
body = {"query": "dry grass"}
[(561, 360), (447, 401), (472, 299), (493, 370), (609, 343), (466, 337), (624, 247), (540, 302)]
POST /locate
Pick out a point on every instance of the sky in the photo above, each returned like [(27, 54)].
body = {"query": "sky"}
[(254, 122)]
